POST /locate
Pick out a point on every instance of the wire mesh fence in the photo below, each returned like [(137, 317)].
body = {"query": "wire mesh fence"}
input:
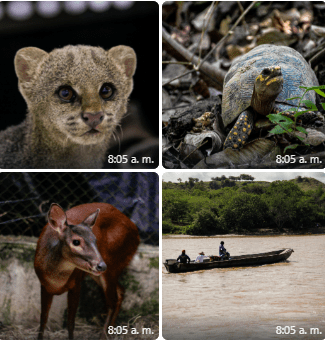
[(25, 198)]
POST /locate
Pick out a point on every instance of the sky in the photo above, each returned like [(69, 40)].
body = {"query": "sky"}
[(259, 176)]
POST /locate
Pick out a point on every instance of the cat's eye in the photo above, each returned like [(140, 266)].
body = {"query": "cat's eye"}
[(107, 91), (76, 242), (66, 94)]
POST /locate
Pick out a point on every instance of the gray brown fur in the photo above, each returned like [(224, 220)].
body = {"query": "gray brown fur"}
[(52, 136)]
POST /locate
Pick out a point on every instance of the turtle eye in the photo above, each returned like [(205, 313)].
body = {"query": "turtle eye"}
[(67, 94), (266, 71)]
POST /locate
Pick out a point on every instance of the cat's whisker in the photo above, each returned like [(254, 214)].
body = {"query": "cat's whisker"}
[(121, 130), (118, 140), (114, 136)]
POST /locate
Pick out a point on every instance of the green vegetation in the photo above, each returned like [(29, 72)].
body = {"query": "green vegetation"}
[(6, 306), (22, 252), (154, 262), (92, 307), (286, 124), (242, 206)]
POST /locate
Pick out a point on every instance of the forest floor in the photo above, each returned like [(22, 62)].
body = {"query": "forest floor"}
[(200, 42)]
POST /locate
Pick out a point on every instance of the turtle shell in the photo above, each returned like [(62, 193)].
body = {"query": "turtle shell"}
[(239, 81)]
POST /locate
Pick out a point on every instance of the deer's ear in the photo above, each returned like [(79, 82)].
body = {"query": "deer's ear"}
[(91, 219), (57, 218), (125, 57)]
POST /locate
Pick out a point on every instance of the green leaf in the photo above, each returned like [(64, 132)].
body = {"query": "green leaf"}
[(300, 138), (285, 120), (310, 104), (287, 127), (292, 146), (301, 129), (312, 87), (323, 105), (277, 130), (293, 98), (272, 116), (275, 118), (321, 93)]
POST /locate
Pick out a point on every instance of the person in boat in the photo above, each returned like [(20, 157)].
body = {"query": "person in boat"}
[(183, 258), (223, 251), (200, 257)]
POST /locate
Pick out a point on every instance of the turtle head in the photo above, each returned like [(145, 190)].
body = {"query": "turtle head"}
[(269, 82), (268, 85)]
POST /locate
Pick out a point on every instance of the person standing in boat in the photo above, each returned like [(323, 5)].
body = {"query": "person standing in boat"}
[(200, 257), (183, 258), (223, 251)]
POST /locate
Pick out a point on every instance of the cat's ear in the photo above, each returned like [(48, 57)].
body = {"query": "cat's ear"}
[(125, 58), (27, 61)]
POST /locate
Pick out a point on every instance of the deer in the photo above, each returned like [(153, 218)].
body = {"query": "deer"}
[(93, 239)]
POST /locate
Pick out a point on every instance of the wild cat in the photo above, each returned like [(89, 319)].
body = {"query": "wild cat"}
[(76, 97)]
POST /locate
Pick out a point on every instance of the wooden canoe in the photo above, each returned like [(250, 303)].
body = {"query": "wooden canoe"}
[(173, 266)]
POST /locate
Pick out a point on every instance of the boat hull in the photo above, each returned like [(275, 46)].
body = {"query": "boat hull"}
[(173, 266)]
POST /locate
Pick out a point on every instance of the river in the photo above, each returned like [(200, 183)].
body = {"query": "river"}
[(250, 302)]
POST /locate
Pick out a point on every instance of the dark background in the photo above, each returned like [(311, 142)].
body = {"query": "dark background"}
[(136, 26)]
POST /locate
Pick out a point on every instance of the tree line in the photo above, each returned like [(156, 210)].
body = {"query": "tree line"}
[(204, 210), (215, 183)]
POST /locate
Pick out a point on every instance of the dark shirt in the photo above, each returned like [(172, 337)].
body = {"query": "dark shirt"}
[(222, 249), (183, 258)]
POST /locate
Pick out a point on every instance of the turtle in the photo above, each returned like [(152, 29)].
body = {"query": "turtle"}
[(258, 83)]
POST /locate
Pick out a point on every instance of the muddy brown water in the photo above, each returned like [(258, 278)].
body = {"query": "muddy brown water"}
[(249, 302)]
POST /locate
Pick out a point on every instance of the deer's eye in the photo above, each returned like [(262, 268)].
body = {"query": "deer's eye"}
[(76, 242)]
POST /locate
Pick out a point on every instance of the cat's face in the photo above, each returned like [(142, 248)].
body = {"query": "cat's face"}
[(80, 93)]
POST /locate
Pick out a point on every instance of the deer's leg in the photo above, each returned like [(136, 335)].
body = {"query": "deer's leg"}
[(46, 302), (120, 297), (73, 302), (114, 294), (114, 310)]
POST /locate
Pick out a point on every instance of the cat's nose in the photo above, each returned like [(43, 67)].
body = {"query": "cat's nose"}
[(92, 119)]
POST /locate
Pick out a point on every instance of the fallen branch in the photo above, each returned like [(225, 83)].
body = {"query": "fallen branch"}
[(229, 32), (182, 54), (179, 52), (317, 58)]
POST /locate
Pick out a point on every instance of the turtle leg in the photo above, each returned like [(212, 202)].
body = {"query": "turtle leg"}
[(308, 118), (238, 135), (311, 118)]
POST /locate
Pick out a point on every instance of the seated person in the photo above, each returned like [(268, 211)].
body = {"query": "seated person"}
[(200, 257), (223, 251), (183, 258)]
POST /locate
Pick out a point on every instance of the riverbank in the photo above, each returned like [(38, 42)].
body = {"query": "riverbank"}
[(257, 232)]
